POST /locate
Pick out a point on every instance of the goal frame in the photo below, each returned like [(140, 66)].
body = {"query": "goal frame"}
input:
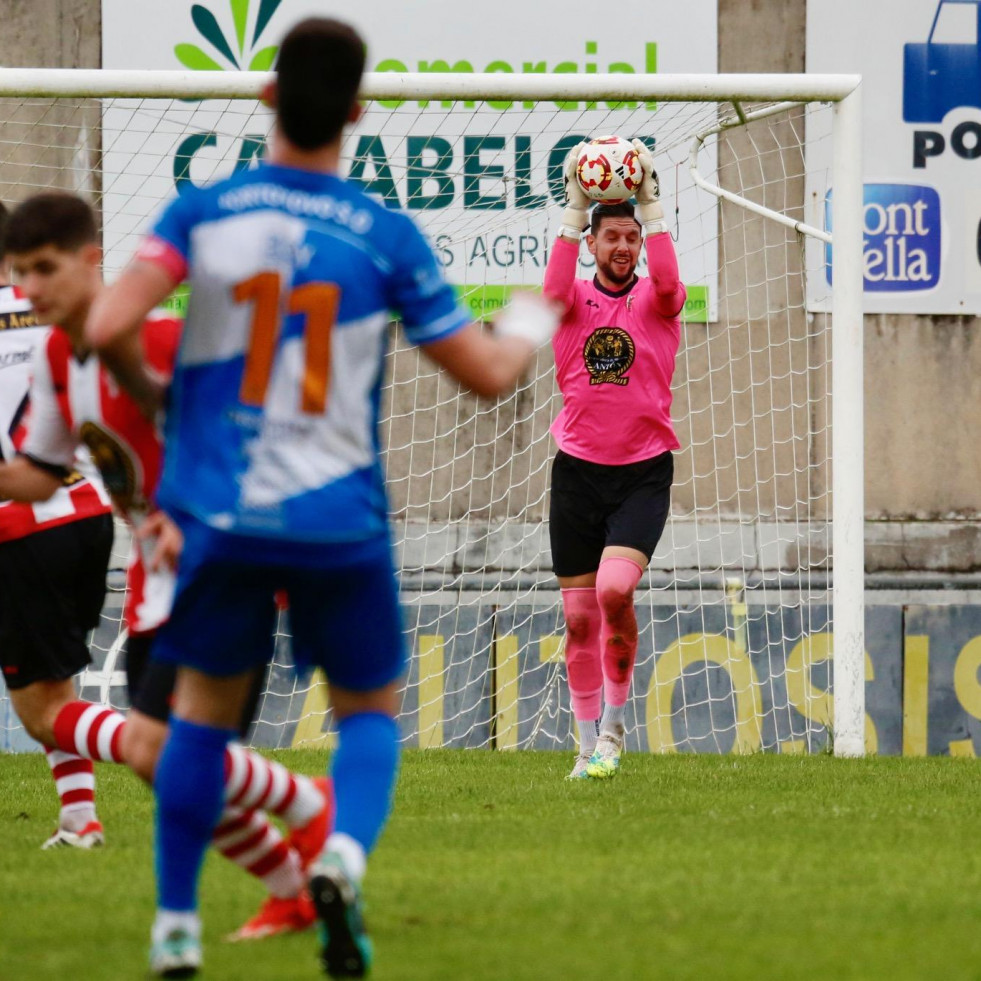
[(847, 370)]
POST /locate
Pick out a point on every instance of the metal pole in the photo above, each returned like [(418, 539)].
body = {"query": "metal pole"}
[(848, 484)]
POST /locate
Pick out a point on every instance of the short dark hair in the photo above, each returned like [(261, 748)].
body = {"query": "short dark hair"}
[(52, 218), (622, 209), (4, 218), (318, 72)]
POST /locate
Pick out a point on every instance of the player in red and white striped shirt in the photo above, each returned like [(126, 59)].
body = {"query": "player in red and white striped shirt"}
[(53, 558), (53, 248)]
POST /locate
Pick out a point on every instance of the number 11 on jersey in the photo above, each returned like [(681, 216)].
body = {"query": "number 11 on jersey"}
[(318, 303)]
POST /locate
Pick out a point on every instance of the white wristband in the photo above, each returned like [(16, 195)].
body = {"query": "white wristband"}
[(655, 227), (573, 222), (528, 316)]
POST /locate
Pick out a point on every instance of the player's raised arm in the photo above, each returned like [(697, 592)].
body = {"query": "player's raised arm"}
[(491, 364), (488, 363), (662, 262), (113, 329), (560, 273)]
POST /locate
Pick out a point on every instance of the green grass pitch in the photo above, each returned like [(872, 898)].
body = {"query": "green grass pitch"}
[(493, 867)]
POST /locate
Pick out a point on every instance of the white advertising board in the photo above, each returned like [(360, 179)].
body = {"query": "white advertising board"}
[(920, 61), (485, 180)]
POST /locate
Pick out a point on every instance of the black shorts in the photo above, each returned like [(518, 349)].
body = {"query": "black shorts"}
[(594, 505), (52, 586), (151, 683)]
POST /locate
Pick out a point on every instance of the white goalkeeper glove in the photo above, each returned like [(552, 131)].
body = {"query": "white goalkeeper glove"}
[(649, 193), (530, 316), (575, 217)]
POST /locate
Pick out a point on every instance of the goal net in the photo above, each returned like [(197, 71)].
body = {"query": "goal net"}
[(750, 615)]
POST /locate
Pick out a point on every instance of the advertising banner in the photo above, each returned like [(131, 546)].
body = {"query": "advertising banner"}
[(920, 62), (705, 682), (483, 179)]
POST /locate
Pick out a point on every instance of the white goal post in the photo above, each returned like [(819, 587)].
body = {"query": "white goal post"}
[(758, 585)]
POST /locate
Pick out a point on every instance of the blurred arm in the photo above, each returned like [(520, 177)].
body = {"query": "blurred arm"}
[(490, 364), (24, 479), (167, 538), (484, 364), (113, 330)]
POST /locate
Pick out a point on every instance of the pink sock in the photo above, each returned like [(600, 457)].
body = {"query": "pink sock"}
[(582, 652), (616, 581)]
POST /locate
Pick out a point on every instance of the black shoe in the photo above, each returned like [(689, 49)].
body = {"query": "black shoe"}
[(347, 947)]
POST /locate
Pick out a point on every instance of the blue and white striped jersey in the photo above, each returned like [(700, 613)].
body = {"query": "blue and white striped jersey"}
[(272, 420)]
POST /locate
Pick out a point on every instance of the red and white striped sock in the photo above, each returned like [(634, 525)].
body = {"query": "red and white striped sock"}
[(75, 783), (253, 782), (252, 843), (90, 730)]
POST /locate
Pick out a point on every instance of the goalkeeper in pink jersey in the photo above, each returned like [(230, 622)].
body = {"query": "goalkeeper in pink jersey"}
[(611, 478)]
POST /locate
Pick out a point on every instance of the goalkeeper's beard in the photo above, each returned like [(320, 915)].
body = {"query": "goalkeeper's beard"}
[(613, 271)]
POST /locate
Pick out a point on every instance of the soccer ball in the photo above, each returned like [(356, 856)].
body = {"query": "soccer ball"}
[(609, 169)]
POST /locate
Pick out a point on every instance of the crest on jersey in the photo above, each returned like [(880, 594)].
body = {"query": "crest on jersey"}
[(608, 353), (115, 464)]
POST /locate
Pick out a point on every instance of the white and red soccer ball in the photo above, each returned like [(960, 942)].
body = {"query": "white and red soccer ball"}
[(609, 169)]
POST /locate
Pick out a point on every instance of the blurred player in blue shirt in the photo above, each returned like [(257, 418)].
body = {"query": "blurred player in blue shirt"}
[(272, 464)]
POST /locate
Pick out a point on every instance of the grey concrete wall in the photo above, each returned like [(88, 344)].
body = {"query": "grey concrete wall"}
[(923, 406), (50, 33), (42, 144)]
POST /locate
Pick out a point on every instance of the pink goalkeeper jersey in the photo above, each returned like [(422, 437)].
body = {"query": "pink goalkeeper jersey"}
[(614, 357)]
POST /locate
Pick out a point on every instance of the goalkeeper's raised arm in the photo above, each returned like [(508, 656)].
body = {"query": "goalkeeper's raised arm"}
[(615, 269), (611, 479)]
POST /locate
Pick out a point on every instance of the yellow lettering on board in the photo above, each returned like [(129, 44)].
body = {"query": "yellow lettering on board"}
[(793, 747), (506, 692), (668, 668), (916, 692), (430, 691), (551, 648), (968, 690), (310, 732), (816, 704)]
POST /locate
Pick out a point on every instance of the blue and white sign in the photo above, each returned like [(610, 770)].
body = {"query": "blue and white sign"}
[(940, 75), (920, 62), (902, 234)]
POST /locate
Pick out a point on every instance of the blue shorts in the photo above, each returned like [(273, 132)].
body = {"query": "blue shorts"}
[(343, 607)]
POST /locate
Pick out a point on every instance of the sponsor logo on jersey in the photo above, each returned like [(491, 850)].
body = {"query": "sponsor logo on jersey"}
[(609, 352), (11, 359), (18, 320)]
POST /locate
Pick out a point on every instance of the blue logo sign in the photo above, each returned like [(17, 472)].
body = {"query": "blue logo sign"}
[(940, 76), (901, 238)]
